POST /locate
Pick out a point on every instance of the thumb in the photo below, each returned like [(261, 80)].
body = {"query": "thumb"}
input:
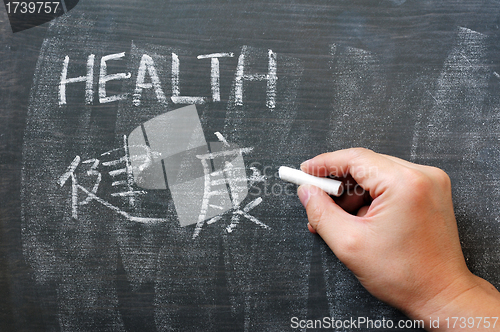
[(326, 218)]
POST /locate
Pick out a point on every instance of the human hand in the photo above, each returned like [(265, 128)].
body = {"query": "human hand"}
[(401, 240)]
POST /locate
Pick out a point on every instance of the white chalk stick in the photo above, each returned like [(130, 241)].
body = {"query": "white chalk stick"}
[(330, 186)]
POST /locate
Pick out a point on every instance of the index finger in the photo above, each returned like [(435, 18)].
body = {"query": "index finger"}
[(372, 171)]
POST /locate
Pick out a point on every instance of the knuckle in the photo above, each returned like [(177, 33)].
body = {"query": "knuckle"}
[(418, 181), (359, 152), (358, 159), (417, 186), (441, 177), (350, 245), (421, 182), (316, 216)]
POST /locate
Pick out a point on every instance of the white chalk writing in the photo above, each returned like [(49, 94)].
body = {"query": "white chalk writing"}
[(120, 170), (147, 67)]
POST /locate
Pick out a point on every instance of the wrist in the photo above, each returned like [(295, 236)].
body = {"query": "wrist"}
[(470, 297)]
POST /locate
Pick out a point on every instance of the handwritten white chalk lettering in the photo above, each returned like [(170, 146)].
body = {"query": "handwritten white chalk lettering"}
[(234, 175), (121, 170), (147, 64), (176, 91), (271, 78), (104, 78), (93, 171), (89, 79), (215, 71), (147, 67), (123, 163)]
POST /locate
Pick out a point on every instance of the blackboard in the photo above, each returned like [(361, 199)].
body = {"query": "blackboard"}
[(84, 248)]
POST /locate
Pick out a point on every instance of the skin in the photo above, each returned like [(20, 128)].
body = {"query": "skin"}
[(399, 236)]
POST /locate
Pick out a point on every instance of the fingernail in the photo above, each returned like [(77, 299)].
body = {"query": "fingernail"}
[(311, 229), (304, 195), (304, 164)]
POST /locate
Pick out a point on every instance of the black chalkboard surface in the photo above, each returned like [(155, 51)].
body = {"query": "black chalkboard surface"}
[(140, 143)]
